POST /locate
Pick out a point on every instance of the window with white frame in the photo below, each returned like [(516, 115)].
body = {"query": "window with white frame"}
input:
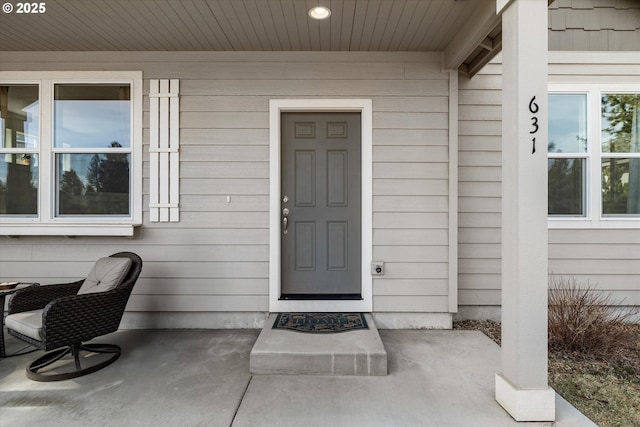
[(594, 154), (70, 153), (19, 150)]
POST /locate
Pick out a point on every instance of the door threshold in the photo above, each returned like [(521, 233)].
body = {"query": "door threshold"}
[(334, 297)]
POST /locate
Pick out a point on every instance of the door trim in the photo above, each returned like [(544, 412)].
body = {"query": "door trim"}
[(365, 108)]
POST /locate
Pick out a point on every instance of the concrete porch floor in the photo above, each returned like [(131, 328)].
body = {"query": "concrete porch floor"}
[(201, 378)]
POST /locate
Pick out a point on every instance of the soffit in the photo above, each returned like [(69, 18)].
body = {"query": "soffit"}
[(467, 31), (235, 25)]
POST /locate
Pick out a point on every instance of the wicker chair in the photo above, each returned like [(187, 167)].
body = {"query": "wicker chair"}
[(71, 314)]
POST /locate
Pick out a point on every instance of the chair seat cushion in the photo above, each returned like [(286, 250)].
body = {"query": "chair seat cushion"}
[(106, 274), (27, 323)]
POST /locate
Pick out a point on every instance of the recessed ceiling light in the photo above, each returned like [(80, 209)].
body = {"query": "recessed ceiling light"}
[(319, 12)]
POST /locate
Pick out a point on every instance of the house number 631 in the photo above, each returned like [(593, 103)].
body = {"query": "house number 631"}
[(534, 108)]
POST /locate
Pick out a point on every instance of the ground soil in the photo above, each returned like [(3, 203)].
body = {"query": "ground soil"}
[(604, 386)]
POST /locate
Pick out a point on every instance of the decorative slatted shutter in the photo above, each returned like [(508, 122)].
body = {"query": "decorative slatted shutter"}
[(164, 144)]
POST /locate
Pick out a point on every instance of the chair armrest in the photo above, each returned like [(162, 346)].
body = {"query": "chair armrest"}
[(79, 318), (37, 297)]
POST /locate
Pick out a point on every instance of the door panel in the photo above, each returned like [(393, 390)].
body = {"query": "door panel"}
[(305, 246), (305, 179), (321, 181), (337, 245), (337, 162)]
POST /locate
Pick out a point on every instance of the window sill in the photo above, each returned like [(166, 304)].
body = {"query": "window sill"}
[(560, 224), (71, 230)]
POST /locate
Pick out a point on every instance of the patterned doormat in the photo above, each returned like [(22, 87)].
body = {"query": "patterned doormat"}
[(320, 322)]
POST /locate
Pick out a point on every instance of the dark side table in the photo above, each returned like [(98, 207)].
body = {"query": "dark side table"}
[(4, 291)]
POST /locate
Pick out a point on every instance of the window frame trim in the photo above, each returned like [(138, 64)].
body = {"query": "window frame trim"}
[(594, 218), (46, 222)]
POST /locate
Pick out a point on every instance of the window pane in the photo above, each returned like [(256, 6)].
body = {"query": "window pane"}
[(93, 184), (19, 116), (620, 114), (567, 123), (621, 186), (19, 184), (92, 116), (567, 187)]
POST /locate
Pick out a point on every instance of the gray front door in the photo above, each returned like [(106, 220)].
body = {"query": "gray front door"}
[(321, 206)]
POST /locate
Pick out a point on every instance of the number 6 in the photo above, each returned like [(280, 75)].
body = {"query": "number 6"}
[(533, 106)]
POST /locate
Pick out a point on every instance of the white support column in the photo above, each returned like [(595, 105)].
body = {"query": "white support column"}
[(522, 387)]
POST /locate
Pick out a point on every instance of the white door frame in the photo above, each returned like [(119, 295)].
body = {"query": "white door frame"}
[(365, 108)]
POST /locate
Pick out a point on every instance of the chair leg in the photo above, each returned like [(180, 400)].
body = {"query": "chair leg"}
[(49, 358), (75, 349)]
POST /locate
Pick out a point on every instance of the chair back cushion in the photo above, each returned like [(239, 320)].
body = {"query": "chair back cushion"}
[(106, 274), (27, 323)]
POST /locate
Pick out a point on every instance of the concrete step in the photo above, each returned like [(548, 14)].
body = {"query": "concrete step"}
[(357, 352)]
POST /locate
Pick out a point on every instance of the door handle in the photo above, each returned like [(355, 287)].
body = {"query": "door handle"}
[(285, 220)]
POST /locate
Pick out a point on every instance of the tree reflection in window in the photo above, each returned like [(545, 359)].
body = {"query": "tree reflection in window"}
[(94, 184), (620, 115), (19, 184), (566, 186), (92, 145), (19, 143), (568, 153)]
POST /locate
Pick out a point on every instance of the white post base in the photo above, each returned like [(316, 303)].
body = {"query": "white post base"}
[(526, 404)]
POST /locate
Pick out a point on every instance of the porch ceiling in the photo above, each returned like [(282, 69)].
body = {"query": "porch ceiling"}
[(251, 25)]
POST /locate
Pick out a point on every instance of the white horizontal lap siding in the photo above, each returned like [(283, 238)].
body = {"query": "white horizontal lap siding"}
[(410, 195), (606, 258), (216, 257), (479, 188)]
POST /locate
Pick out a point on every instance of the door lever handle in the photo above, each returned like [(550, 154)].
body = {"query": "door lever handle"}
[(285, 220)]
